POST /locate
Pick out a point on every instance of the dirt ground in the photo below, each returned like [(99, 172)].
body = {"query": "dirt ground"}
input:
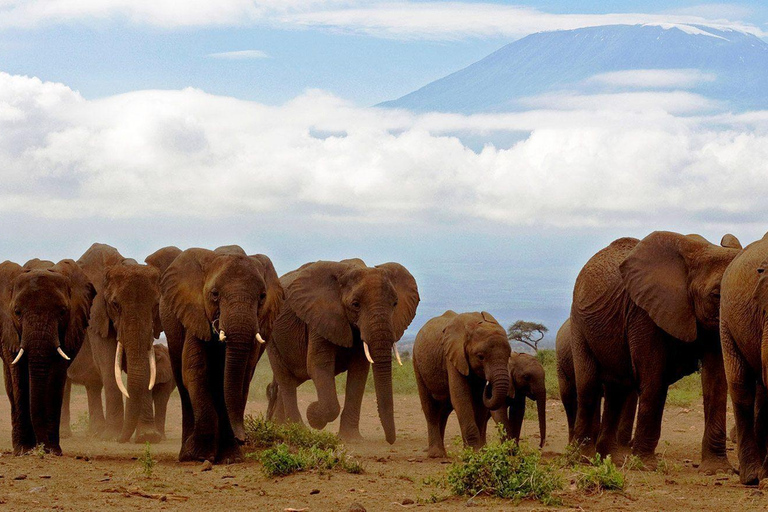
[(97, 475)]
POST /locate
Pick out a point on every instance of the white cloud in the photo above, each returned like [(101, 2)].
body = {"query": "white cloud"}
[(240, 55), (395, 19), (654, 78), (188, 154)]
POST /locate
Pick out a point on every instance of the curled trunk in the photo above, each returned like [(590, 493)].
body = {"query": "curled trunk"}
[(496, 388)]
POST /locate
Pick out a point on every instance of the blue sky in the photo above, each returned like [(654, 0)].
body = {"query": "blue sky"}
[(119, 123)]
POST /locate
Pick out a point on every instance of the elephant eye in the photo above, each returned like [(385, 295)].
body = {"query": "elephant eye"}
[(356, 304), (481, 356), (215, 295), (17, 312), (262, 297), (116, 305), (394, 304), (63, 311)]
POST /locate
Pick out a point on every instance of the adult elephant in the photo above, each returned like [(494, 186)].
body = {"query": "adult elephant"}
[(340, 316), (217, 309), (644, 314), (461, 362), (124, 322), (744, 336), (527, 381), (44, 312), (566, 378)]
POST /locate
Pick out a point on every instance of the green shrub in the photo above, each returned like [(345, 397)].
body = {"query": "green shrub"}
[(282, 461), (601, 475), (506, 470), (260, 433)]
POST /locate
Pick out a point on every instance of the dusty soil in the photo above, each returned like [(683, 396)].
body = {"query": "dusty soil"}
[(97, 475)]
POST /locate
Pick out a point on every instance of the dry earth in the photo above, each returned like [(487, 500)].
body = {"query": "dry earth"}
[(97, 475)]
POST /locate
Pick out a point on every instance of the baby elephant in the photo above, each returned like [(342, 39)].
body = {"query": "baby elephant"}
[(460, 361), (527, 377)]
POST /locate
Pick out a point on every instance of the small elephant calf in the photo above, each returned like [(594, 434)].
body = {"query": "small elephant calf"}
[(460, 361), (527, 381)]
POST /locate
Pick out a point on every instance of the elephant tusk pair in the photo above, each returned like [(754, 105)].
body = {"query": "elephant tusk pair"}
[(259, 338), (152, 368), (62, 354), (18, 356), (397, 354), (118, 370), (367, 353)]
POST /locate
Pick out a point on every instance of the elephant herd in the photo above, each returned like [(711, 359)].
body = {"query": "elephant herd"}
[(644, 314)]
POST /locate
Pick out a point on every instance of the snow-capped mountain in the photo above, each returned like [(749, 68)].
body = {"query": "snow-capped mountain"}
[(724, 65)]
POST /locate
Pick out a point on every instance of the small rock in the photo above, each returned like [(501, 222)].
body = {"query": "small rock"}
[(45, 477), (314, 491), (86, 458), (407, 501), (227, 476), (105, 479), (78, 457), (207, 466), (163, 498), (20, 477), (356, 507)]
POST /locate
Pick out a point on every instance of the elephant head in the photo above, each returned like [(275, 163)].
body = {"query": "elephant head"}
[(476, 342), (49, 307), (347, 302), (527, 376), (676, 279), (230, 297)]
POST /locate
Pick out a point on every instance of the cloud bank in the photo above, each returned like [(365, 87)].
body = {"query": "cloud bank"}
[(391, 19), (606, 162)]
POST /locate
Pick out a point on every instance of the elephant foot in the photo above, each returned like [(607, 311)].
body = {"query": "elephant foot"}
[(749, 474), (198, 449), (109, 434), (21, 449), (316, 418), (436, 452), (53, 449), (649, 461), (350, 435), (148, 436), (230, 455), (715, 465)]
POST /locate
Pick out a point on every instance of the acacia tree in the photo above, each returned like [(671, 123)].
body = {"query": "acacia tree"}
[(528, 333)]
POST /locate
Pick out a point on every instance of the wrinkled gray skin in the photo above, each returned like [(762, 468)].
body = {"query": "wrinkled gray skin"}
[(527, 381)]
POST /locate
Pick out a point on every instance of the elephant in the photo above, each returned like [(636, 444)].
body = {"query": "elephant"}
[(644, 314), (461, 362), (125, 321), (217, 310), (744, 338), (340, 316), (566, 377), (44, 311), (527, 380)]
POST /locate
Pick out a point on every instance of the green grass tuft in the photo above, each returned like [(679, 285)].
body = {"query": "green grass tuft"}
[(601, 475), (506, 470), (281, 460), (260, 433)]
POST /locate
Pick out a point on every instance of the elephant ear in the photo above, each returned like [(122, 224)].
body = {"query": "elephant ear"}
[(407, 296), (162, 258), (655, 275), (314, 294), (182, 288), (163, 363), (454, 339), (730, 242), (489, 317), (81, 294), (271, 307), (8, 272)]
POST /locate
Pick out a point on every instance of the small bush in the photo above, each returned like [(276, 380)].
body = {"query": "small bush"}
[(281, 461), (505, 470), (261, 433), (601, 475), (686, 391), (147, 462)]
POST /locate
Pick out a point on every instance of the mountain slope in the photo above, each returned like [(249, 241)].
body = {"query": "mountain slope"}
[(563, 60)]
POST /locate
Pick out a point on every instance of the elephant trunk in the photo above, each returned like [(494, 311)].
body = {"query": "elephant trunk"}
[(541, 405), (241, 329), (39, 370), (496, 387), (138, 368), (380, 347)]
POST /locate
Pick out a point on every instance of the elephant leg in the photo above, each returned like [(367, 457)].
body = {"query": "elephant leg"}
[(160, 396), (588, 391), (463, 400), (627, 421), (568, 397), (96, 419), (17, 389), (614, 402), (357, 375), (741, 385), (432, 413), (272, 399), (288, 404), (175, 335), (104, 355), (715, 388), (501, 416), (482, 415), (321, 365), (66, 428), (201, 443), (57, 380), (761, 426), (516, 415)]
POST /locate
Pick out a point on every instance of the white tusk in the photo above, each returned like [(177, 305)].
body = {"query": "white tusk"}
[(152, 368), (62, 354), (222, 336), (367, 353), (259, 338), (18, 356), (118, 370), (397, 354)]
